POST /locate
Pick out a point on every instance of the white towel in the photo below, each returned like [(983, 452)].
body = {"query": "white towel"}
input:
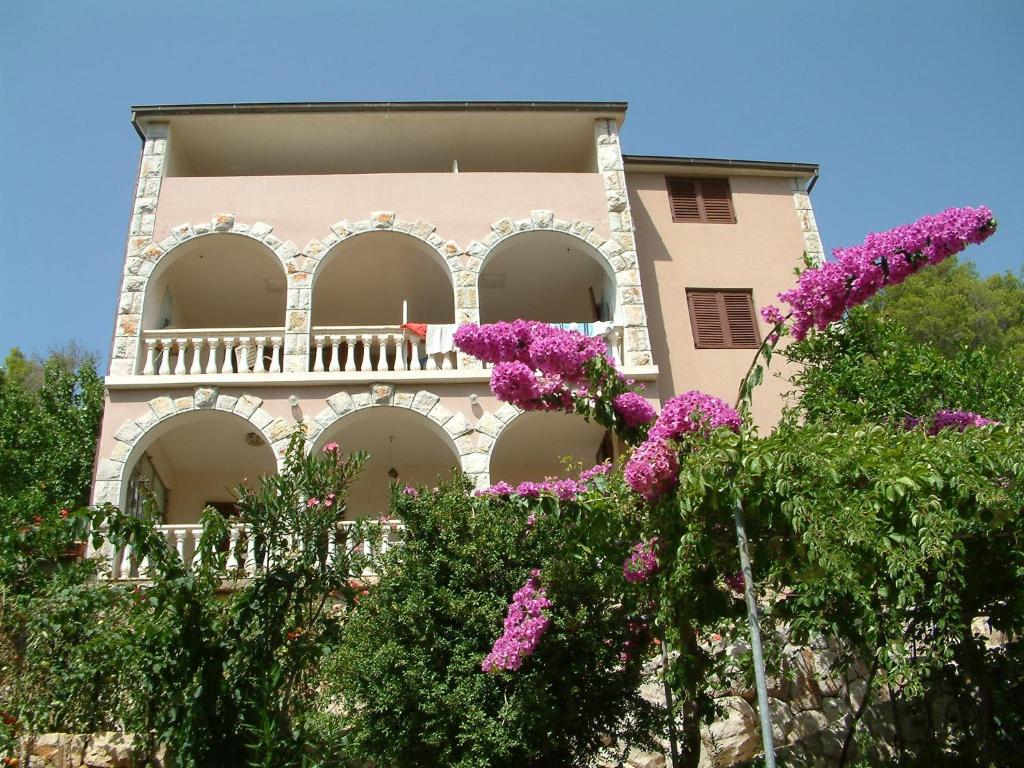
[(440, 338)]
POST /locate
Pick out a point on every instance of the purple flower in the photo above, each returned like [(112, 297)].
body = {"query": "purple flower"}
[(694, 411), (772, 314), (642, 562), (959, 420), (525, 625), (634, 409), (653, 469), (824, 293)]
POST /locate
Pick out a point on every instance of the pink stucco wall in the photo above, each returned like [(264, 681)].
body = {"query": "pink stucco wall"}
[(758, 252), (462, 206)]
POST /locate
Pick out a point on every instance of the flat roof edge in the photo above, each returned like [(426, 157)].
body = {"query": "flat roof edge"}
[(157, 110), (800, 169)]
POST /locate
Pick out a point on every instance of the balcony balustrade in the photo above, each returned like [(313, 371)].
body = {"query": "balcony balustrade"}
[(209, 351), (376, 348), (245, 555)]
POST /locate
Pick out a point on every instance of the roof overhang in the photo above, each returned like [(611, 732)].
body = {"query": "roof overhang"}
[(142, 114), (716, 165)]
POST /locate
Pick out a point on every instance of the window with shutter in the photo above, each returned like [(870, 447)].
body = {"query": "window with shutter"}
[(706, 201), (723, 319)]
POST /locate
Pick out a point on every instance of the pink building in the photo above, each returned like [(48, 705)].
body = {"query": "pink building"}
[(306, 264)]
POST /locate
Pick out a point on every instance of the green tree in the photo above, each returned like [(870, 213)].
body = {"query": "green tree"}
[(951, 307), (408, 670)]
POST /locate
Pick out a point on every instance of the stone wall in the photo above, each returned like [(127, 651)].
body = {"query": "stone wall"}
[(98, 750)]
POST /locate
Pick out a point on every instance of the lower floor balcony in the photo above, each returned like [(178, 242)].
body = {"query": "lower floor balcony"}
[(186, 453), (241, 554)]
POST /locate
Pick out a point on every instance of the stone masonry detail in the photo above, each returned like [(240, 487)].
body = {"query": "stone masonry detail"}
[(808, 226), (620, 249)]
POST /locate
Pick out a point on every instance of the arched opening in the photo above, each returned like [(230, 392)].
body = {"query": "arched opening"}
[(364, 281), (404, 447), (216, 281), (194, 460), (214, 304), (548, 276), (536, 444), (365, 290)]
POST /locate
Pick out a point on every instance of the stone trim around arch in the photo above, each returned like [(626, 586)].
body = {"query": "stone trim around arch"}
[(112, 471), (143, 257), (303, 266), (474, 455), (621, 263)]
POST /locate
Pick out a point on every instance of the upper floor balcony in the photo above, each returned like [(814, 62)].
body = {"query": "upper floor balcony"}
[(381, 301), (514, 211)]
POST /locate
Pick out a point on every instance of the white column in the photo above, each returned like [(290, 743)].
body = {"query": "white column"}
[(197, 357), (275, 358), (350, 353), (233, 548), (414, 363), (148, 369), (335, 353), (165, 356), (400, 352), (318, 361), (179, 365), (367, 340), (178, 534), (225, 367), (242, 354), (211, 361), (446, 361)]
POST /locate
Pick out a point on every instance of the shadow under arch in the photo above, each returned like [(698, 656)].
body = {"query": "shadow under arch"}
[(363, 280), (546, 275), (531, 446), (199, 456), (404, 447), (216, 280)]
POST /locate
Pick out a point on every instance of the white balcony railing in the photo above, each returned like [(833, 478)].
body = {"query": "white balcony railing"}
[(245, 556), (374, 348), (213, 351)]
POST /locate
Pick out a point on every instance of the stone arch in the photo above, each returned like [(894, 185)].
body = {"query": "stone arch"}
[(112, 471), (508, 415), (620, 263), (454, 428), (301, 268), (143, 259)]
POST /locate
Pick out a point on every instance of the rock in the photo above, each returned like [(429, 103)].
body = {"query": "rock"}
[(734, 738)]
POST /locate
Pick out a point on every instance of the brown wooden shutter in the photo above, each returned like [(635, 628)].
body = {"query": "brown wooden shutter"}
[(723, 319), (706, 319), (739, 316), (717, 201), (682, 196), (700, 200)]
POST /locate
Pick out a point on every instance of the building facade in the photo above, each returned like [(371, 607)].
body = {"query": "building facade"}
[(306, 264)]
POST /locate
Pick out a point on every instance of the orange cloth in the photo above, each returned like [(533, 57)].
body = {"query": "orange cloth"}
[(420, 329)]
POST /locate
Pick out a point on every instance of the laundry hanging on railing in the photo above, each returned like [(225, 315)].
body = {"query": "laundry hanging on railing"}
[(420, 329), (440, 338)]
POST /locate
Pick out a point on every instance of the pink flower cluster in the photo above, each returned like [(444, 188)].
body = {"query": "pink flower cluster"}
[(642, 562), (634, 409), (824, 293), (564, 489), (536, 366), (653, 468), (959, 420), (525, 625)]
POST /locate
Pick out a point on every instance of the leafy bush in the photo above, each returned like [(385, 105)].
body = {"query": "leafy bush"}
[(408, 675)]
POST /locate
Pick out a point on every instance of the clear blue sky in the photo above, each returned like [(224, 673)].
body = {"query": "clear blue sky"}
[(909, 107)]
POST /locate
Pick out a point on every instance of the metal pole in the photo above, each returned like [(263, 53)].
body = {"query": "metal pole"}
[(755, 638)]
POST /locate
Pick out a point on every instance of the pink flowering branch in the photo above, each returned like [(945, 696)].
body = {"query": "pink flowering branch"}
[(526, 622)]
